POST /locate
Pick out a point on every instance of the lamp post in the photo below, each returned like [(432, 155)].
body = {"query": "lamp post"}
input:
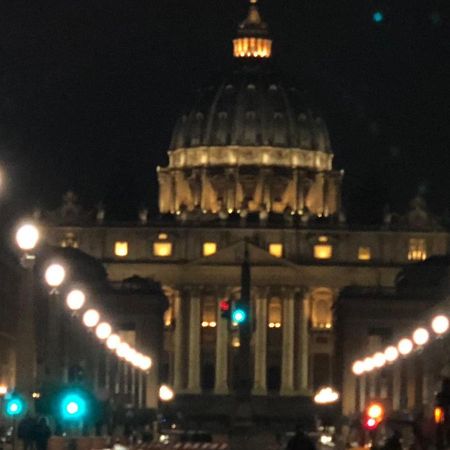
[(27, 238), (54, 275)]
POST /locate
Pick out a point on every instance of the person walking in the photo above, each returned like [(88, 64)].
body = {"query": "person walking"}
[(42, 434), (300, 441), (25, 431)]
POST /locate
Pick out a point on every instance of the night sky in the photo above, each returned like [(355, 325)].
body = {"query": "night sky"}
[(90, 91)]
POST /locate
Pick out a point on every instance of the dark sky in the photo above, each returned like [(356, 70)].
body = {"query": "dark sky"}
[(90, 91)]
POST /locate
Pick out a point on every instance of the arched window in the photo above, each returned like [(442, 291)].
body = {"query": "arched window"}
[(274, 316), (322, 308)]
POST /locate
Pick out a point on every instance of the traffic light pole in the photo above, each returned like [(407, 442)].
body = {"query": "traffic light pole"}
[(242, 420), (244, 384)]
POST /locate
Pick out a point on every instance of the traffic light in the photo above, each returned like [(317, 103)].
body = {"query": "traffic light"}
[(73, 405), (14, 406), (239, 315), (373, 416), (225, 308), (439, 415)]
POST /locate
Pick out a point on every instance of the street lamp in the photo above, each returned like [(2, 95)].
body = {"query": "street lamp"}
[(27, 236), (103, 330), (391, 353), (368, 364), (358, 368), (379, 360), (440, 324), (75, 299), (146, 363), (122, 349), (421, 336), (91, 318), (113, 341), (166, 393), (55, 275), (326, 396), (405, 346)]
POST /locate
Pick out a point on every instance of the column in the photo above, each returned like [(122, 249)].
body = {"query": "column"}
[(396, 385), (303, 346), (411, 382), (221, 381), (287, 357), (179, 341), (194, 343), (362, 392), (141, 376), (260, 353)]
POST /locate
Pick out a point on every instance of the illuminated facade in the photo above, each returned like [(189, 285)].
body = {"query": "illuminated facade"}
[(251, 163)]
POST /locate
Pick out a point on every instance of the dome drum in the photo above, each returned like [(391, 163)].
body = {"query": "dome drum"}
[(255, 188), (250, 156)]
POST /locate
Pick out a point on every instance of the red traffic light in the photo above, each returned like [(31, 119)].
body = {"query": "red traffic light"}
[(224, 305), (370, 424), (373, 416)]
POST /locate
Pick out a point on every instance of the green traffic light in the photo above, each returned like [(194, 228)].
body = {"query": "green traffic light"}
[(73, 405), (239, 315), (15, 406)]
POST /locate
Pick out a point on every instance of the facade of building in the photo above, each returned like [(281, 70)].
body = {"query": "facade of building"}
[(251, 162)]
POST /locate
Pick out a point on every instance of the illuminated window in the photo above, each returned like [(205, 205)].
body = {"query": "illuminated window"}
[(209, 248), (417, 250), (209, 307), (276, 250), (162, 249), (364, 253), (323, 250), (70, 240), (162, 236), (121, 248), (322, 312), (274, 315)]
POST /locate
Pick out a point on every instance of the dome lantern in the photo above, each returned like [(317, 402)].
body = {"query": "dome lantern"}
[(253, 40)]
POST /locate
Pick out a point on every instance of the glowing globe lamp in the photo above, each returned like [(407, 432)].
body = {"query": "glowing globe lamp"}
[(75, 299), (239, 316), (27, 236), (54, 275)]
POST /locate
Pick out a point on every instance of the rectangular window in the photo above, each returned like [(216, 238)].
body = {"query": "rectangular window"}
[(121, 248), (274, 313), (209, 248), (323, 250), (364, 254), (276, 250), (417, 250), (162, 249), (162, 236), (209, 311)]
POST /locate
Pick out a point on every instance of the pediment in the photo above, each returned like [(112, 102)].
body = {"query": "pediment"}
[(234, 255)]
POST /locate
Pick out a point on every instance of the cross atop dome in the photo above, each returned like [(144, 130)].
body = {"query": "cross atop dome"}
[(253, 40)]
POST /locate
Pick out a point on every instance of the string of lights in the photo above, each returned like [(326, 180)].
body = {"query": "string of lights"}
[(27, 237), (421, 336)]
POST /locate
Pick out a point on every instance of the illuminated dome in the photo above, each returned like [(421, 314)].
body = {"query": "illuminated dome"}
[(250, 144), (251, 108)]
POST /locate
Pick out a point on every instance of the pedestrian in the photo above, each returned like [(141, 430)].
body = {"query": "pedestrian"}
[(25, 431), (42, 434), (300, 441), (394, 442)]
